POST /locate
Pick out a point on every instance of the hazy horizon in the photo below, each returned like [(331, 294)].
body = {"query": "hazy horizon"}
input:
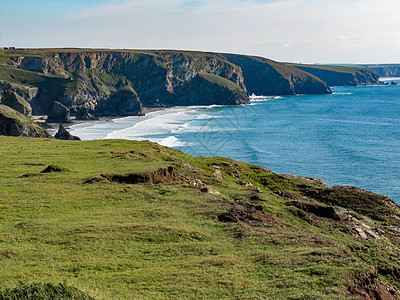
[(329, 32)]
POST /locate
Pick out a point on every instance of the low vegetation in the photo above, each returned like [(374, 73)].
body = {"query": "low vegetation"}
[(115, 219)]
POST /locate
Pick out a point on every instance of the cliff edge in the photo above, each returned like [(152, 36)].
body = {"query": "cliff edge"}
[(341, 75)]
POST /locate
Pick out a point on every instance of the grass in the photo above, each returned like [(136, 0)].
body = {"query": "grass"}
[(221, 81), (343, 69), (124, 241)]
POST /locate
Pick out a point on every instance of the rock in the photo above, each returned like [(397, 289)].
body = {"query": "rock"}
[(125, 102), (13, 123), (27, 93), (85, 116), (63, 134), (16, 102), (45, 125), (59, 113)]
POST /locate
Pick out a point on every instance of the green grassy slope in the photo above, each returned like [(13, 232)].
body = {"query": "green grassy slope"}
[(126, 220), (341, 75)]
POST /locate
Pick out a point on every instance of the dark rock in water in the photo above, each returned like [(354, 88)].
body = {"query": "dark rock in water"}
[(16, 102), (63, 134), (58, 113), (394, 83), (13, 123)]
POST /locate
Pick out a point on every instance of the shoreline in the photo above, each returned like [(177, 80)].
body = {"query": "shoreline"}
[(41, 119)]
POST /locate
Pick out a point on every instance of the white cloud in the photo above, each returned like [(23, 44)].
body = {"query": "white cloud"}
[(290, 30)]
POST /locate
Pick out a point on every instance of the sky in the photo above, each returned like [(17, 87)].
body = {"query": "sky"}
[(312, 31)]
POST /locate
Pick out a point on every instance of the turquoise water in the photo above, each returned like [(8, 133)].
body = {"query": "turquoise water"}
[(351, 137)]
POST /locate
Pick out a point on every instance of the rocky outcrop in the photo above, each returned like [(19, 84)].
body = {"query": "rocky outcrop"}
[(16, 102), (12, 123), (63, 134), (59, 113), (266, 77), (83, 115), (26, 92), (125, 102), (207, 89), (341, 75)]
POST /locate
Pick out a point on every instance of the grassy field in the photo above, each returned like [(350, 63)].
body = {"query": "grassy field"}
[(115, 219)]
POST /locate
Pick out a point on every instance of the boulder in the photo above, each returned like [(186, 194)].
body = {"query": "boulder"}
[(63, 134), (58, 113), (16, 102)]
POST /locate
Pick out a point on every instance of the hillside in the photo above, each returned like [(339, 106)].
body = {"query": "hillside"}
[(114, 219), (266, 77), (12, 123), (341, 75), (91, 82)]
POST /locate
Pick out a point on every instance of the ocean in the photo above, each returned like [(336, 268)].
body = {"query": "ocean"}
[(351, 137)]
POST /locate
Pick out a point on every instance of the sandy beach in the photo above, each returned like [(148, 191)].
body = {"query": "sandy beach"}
[(41, 120)]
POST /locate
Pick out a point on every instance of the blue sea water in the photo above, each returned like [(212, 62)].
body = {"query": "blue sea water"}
[(351, 137)]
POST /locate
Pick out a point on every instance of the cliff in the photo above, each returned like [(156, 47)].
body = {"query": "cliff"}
[(266, 77), (385, 70), (120, 219), (96, 82), (12, 123), (341, 75)]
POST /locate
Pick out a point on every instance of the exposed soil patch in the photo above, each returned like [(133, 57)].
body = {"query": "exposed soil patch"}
[(128, 155), (53, 168), (162, 175), (247, 213), (371, 288), (316, 209), (392, 272)]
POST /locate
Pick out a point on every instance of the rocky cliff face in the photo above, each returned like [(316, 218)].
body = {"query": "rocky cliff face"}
[(119, 83), (267, 77), (341, 75), (12, 123), (385, 70), (27, 93), (13, 100), (95, 81)]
